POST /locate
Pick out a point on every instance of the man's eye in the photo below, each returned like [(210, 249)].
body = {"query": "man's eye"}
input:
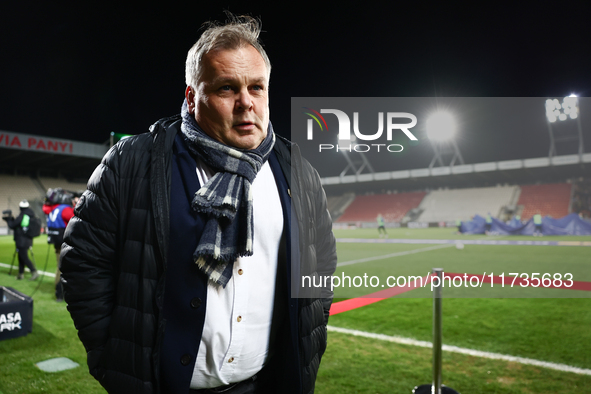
[(226, 87), (257, 87)]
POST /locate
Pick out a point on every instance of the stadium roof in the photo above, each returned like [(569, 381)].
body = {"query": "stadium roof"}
[(525, 171), (31, 154)]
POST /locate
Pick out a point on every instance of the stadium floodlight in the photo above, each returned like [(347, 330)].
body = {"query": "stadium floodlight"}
[(441, 126), (441, 130), (557, 111)]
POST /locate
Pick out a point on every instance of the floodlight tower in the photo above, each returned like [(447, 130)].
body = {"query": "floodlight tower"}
[(357, 166), (565, 111), (441, 130)]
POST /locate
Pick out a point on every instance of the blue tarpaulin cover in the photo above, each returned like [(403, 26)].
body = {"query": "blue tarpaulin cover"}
[(569, 225)]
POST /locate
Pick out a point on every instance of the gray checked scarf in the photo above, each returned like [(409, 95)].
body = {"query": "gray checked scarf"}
[(226, 199)]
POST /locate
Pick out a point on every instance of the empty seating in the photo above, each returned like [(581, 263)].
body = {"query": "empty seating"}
[(449, 205), (337, 205), (581, 201), (393, 207), (551, 199), (13, 189)]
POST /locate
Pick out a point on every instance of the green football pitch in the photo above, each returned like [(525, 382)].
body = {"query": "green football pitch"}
[(380, 348), (539, 324)]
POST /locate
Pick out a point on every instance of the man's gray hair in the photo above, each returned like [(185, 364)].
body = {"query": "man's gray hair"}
[(237, 32)]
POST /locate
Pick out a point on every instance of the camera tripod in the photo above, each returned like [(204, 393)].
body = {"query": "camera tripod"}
[(33, 260), (14, 256)]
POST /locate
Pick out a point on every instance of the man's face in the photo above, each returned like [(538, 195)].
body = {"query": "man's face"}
[(231, 102)]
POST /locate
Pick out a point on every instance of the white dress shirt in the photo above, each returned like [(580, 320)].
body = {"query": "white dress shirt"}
[(235, 341)]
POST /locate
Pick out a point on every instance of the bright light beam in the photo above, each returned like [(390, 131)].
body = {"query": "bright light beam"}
[(441, 126)]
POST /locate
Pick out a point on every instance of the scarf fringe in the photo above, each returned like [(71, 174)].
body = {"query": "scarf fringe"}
[(226, 199)]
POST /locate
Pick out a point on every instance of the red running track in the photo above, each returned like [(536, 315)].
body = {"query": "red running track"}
[(354, 303)]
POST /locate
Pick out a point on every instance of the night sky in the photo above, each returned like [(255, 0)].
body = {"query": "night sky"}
[(82, 70)]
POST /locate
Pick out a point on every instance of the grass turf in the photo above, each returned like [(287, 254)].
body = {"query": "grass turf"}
[(548, 329), (53, 333), (362, 365), (446, 233), (473, 259)]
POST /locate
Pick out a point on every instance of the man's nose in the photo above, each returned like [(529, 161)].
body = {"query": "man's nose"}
[(244, 100)]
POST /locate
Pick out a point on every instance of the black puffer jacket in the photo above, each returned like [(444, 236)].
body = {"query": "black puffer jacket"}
[(115, 251)]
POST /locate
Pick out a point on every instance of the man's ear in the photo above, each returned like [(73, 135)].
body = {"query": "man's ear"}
[(190, 96)]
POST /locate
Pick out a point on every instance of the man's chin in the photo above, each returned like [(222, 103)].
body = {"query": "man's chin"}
[(248, 145), (247, 141)]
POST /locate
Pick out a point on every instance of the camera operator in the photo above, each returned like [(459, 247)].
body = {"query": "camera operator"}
[(59, 208), (22, 241)]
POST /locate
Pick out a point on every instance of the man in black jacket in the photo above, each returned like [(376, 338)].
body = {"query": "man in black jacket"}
[(22, 241), (183, 261)]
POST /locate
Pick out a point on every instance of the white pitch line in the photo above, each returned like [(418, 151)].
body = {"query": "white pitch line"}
[(50, 274), (469, 352), (386, 256)]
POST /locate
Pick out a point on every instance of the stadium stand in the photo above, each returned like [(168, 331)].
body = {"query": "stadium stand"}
[(16, 188), (337, 205), (551, 199), (449, 205), (393, 207), (581, 202)]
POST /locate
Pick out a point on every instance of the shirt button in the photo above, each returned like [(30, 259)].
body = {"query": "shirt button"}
[(231, 359), (185, 359), (239, 319), (240, 272), (195, 302)]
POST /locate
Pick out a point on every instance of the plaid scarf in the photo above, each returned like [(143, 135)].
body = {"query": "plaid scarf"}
[(226, 198)]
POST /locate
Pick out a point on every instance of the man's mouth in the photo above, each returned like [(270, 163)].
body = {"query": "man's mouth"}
[(245, 126)]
